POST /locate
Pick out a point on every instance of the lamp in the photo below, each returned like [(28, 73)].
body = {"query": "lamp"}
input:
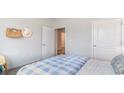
[(2, 60), (3, 64)]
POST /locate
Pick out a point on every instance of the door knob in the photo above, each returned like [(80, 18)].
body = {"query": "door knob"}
[(43, 44), (94, 45)]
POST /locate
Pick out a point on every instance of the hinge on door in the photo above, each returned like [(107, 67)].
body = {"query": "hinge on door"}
[(94, 45), (121, 23), (121, 42)]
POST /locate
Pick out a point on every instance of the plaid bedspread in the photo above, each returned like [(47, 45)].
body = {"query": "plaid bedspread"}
[(58, 65)]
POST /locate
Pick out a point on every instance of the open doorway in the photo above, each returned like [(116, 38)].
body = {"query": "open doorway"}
[(60, 41)]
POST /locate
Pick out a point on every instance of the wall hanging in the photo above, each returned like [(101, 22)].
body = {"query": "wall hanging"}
[(18, 33), (13, 33), (26, 33)]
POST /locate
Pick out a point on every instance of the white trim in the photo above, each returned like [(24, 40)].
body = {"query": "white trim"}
[(122, 36), (55, 41), (92, 41), (108, 20)]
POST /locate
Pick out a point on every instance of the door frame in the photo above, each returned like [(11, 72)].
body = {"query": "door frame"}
[(93, 29), (56, 38)]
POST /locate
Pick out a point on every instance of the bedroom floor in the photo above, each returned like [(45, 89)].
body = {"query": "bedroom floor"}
[(13, 71)]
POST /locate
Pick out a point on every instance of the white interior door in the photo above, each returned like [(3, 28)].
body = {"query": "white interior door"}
[(107, 39), (48, 42)]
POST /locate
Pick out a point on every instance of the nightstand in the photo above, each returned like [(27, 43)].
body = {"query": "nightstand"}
[(3, 63)]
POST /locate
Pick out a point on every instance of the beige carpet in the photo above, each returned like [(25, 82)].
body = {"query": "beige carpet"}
[(12, 71)]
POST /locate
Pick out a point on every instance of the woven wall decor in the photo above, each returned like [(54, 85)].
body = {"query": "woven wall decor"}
[(13, 33)]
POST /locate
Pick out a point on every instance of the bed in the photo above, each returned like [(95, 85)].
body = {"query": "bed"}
[(58, 65), (97, 67), (74, 65)]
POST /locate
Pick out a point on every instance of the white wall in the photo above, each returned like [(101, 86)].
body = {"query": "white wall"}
[(24, 50), (78, 34)]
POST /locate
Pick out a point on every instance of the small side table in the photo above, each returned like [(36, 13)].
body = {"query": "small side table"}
[(3, 63)]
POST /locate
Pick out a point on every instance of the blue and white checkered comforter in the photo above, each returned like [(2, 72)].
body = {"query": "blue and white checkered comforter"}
[(58, 65)]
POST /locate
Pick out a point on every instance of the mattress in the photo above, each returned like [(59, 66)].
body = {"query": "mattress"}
[(96, 67), (58, 65)]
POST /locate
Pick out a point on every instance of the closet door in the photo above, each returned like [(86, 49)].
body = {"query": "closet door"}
[(107, 39), (48, 42)]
